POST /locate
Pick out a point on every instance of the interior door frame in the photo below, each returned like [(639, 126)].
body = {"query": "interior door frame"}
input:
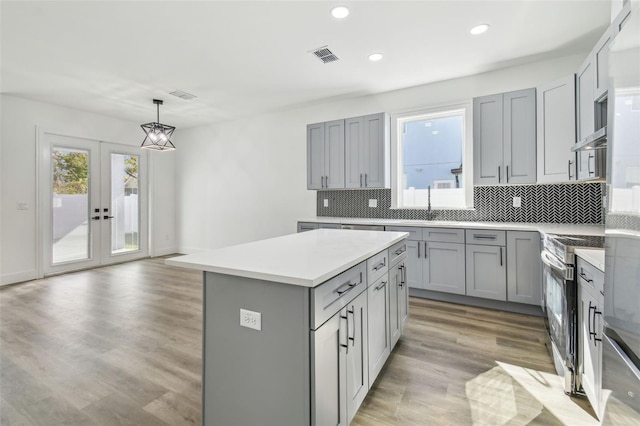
[(43, 200)]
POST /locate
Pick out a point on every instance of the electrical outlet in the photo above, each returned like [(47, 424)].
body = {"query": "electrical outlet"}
[(326, 202), (23, 206), (251, 319), (373, 202), (517, 202)]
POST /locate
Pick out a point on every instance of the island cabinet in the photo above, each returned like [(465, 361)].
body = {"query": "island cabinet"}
[(398, 291), (287, 324), (504, 138)]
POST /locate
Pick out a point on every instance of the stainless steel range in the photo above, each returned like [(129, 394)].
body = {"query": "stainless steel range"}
[(560, 304)]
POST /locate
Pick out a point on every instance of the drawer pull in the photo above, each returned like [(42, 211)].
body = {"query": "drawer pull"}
[(346, 286), (402, 250), (483, 237), (380, 265), (382, 284), (585, 277)]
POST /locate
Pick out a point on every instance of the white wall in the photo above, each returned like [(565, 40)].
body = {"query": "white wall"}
[(246, 180), (18, 228)]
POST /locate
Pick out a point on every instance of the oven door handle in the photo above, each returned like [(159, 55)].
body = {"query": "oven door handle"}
[(551, 261)]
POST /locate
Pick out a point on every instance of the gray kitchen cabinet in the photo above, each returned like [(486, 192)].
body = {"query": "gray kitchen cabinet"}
[(524, 280), (357, 364), (504, 138), (590, 320), (367, 151), (556, 132), (601, 65), (325, 155), (486, 272), (307, 226), (379, 340), (585, 85), (398, 300), (444, 267), (414, 265)]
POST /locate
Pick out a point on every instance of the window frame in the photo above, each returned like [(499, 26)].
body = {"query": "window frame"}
[(398, 119)]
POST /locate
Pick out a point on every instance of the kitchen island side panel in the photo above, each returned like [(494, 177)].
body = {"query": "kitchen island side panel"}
[(255, 377)]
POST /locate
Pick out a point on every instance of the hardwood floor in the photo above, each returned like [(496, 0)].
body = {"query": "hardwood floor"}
[(121, 345)]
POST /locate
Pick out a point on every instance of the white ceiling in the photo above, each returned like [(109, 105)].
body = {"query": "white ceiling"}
[(243, 58)]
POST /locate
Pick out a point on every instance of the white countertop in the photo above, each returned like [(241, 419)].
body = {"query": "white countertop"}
[(306, 259), (594, 256), (545, 228)]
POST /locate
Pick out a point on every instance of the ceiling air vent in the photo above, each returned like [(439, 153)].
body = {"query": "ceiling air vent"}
[(324, 54), (183, 95)]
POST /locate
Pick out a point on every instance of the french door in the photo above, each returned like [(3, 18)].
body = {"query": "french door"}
[(93, 203)]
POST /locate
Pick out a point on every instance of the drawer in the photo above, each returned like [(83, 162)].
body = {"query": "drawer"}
[(333, 295), (415, 233), (397, 252), (486, 237), (306, 226), (329, 226), (591, 277), (377, 266), (443, 235)]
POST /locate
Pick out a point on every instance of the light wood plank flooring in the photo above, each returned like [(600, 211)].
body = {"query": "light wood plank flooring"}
[(121, 345)]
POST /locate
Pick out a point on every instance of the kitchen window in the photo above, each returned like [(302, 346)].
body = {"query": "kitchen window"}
[(432, 158)]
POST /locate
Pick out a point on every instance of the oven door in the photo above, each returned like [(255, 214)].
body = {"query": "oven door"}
[(560, 315)]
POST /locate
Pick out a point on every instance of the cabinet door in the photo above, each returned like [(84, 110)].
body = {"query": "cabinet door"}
[(487, 139), (589, 350), (373, 155), (378, 314), (524, 281), (556, 134), (519, 136), (395, 322), (586, 114), (444, 267), (414, 263), (357, 354), (353, 145), (486, 272), (329, 380), (315, 156), (601, 65), (334, 154)]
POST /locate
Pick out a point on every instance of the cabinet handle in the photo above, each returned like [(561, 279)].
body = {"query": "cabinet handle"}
[(382, 284), (349, 285), (500, 256), (365, 180), (507, 174), (95, 217), (360, 180), (346, 345), (569, 169), (418, 249), (380, 265), (426, 253), (589, 163), (584, 276), (596, 339), (498, 174), (326, 181), (353, 339), (402, 250), (484, 237)]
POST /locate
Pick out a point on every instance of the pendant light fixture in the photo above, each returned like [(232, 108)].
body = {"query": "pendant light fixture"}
[(157, 135)]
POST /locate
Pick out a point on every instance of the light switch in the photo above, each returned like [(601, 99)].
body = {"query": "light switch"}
[(517, 202)]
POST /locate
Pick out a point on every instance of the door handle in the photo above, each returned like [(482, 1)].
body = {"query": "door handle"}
[(596, 339), (500, 256), (589, 163), (569, 168), (426, 254), (360, 180), (95, 217), (108, 217), (498, 174), (346, 345), (365, 180), (507, 174), (353, 339), (418, 249)]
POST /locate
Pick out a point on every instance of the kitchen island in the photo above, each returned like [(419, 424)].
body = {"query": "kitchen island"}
[(296, 328)]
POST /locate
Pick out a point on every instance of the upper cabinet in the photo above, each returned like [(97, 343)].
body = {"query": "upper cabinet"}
[(601, 65), (325, 155), (351, 153), (367, 151), (556, 115), (504, 138)]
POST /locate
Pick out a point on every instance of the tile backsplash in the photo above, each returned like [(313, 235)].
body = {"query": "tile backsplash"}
[(556, 203)]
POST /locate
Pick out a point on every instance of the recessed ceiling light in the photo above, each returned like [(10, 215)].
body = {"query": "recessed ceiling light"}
[(375, 57), (435, 132), (479, 29), (340, 12)]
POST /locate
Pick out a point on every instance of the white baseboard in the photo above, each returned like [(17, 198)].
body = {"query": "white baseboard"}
[(190, 250), (165, 251), (18, 277)]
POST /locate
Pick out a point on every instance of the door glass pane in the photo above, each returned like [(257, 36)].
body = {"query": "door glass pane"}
[(70, 204), (124, 204)]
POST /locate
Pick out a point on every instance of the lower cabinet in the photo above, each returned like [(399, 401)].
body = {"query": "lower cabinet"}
[(378, 314), (524, 278), (340, 366), (486, 272), (590, 306), (443, 267)]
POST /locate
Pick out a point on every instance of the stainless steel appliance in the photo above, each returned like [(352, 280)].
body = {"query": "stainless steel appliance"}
[(621, 342), (560, 304)]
